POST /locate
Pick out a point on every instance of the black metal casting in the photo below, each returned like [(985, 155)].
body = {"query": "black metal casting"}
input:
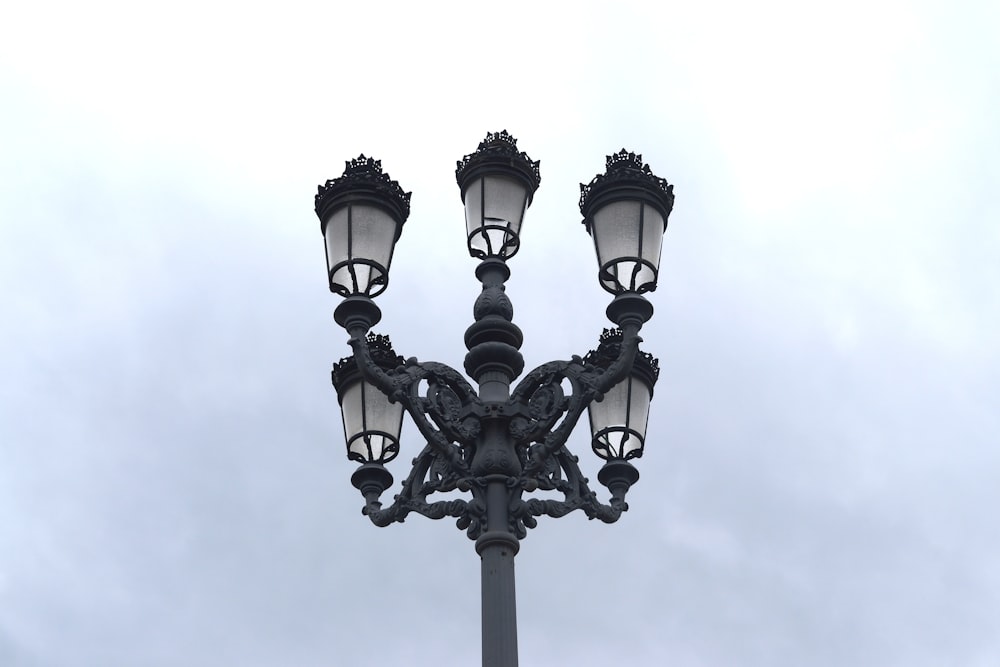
[(496, 445), (362, 180)]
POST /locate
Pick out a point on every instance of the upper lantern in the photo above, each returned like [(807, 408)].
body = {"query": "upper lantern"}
[(361, 215), (625, 211), (497, 184)]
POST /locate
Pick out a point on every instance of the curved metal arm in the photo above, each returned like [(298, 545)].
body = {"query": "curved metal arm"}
[(433, 473), (540, 390), (576, 494), (443, 416)]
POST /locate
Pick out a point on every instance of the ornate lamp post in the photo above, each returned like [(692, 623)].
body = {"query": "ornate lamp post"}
[(495, 445)]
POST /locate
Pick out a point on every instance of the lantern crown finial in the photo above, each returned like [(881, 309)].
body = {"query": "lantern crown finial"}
[(501, 136), (380, 348), (625, 159), (499, 148), (623, 169), (608, 349), (364, 174)]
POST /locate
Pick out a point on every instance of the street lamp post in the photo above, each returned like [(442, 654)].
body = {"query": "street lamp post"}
[(495, 446)]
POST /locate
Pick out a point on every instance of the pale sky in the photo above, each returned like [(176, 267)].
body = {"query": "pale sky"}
[(819, 485)]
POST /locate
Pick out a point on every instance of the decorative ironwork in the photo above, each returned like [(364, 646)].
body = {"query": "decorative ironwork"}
[(626, 169), (608, 349), (501, 148), (433, 473), (381, 354), (363, 175), (450, 415)]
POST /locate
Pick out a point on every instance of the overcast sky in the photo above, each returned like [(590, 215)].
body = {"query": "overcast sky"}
[(820, 478)]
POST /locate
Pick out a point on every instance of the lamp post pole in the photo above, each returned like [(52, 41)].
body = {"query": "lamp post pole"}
[(495, 445)]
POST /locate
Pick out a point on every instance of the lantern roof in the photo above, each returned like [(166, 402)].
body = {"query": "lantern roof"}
[(626, 171), (498, 153), (609, 346), (345, 372), (363, 178)]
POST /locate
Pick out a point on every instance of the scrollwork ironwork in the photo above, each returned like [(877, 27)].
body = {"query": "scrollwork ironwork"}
[(363, 173), (559, 471), (588, 381), (449, 415), (433, 473)]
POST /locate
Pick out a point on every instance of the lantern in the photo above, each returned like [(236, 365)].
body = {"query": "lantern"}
[(497, 183), (361, 216), (371, 423), (618, 422), (625, 211)]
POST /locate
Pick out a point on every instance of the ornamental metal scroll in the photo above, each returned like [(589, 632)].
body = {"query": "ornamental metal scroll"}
[(434, 473), (446, 414), (542, 391)]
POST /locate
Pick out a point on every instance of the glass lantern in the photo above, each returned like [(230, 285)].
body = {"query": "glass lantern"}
[(625, 211), (371, 423), (618, 422), (497, 184), (361, 216)]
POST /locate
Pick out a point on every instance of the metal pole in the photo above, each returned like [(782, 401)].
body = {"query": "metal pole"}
[(497, 549)]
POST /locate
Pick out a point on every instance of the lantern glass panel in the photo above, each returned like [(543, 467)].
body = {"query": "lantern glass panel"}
[(628, 236), (494, 210), (359, 244), (371, 424), (618, 423)]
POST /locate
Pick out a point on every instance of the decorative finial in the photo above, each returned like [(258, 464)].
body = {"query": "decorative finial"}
[(608, 349), (624, 159), (626, 168), (364, 174), (499, 148), (346, 370)]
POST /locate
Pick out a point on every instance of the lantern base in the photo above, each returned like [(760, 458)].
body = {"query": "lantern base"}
[(357, 312), (618, 476), (371, 479), (629, 306)]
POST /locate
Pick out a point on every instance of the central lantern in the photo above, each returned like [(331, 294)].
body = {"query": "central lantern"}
[(497, 183)]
